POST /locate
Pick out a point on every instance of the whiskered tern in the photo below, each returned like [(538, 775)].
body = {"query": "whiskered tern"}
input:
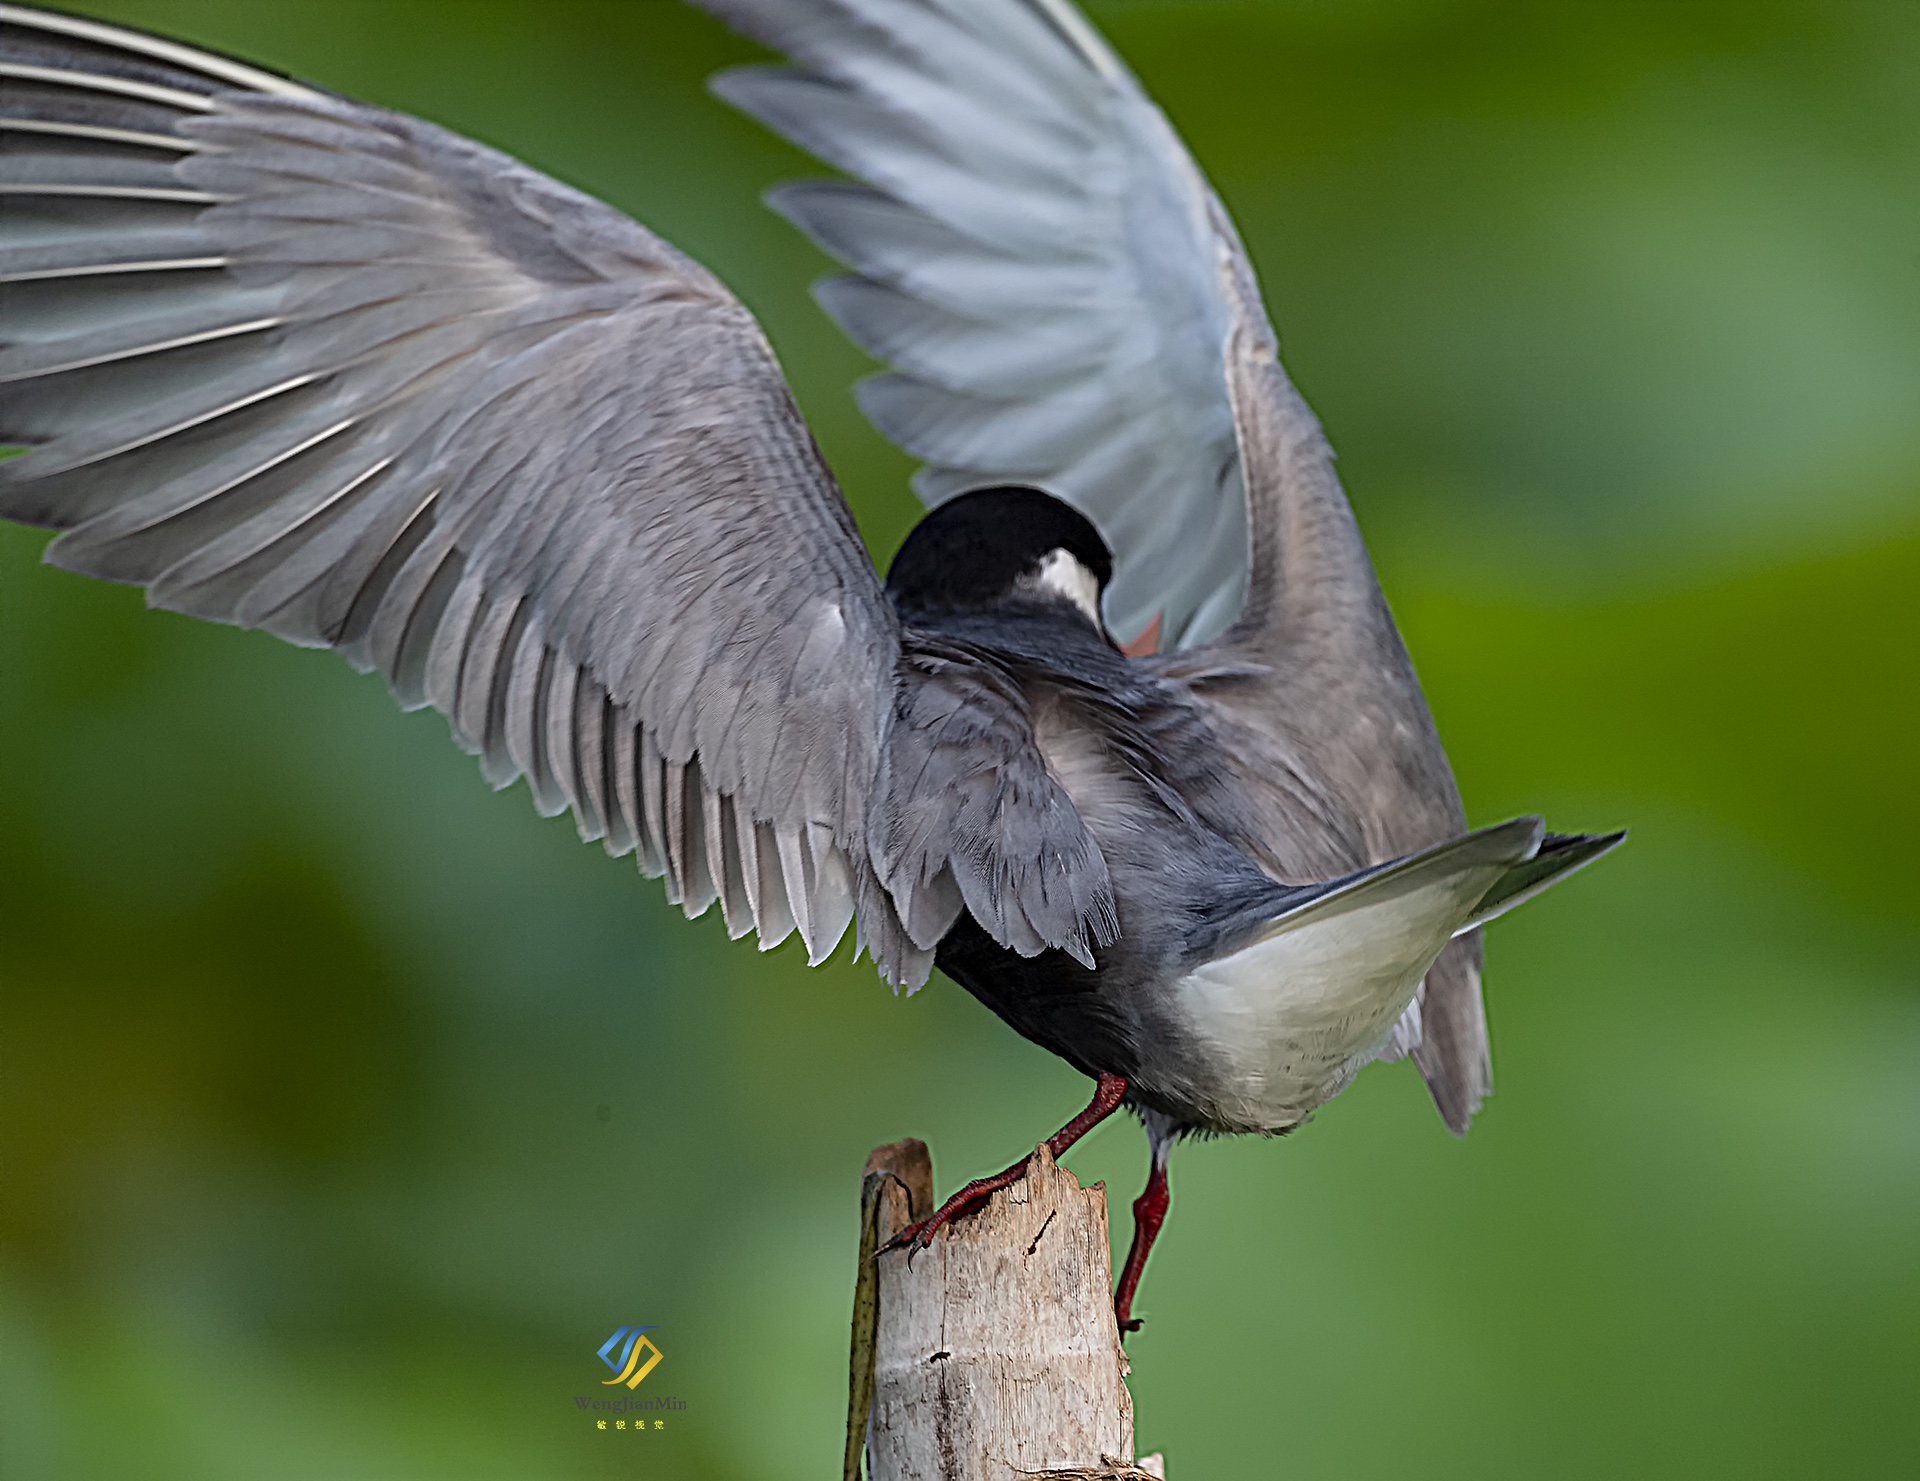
[(1126, 743)]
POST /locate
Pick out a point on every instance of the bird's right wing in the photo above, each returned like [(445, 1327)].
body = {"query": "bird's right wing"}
[(1064, 301), (1039, 260), (295, 363)]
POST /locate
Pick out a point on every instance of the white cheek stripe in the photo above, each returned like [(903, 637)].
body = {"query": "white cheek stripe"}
[(1062, 574)]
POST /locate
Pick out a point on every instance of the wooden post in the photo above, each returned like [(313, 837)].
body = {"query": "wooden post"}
[(992, 1355)]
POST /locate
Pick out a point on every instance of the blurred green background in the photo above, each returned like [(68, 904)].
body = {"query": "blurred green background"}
[(346, 1107)]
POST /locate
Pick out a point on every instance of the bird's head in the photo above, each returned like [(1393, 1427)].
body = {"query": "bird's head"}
[(992, 549)]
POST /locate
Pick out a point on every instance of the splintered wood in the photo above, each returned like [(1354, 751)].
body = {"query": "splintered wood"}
[(992, 1355)]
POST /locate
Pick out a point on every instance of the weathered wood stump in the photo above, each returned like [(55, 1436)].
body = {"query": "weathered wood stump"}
[(992, 1355)]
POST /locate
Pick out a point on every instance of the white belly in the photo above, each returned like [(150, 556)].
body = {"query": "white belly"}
[(1284, 1024)]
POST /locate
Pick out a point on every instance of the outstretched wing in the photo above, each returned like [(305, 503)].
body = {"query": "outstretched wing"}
[(299, 364), (1040, 262), (1065, 302)]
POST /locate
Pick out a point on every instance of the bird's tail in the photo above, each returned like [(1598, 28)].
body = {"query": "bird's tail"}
[(1475, 878), (1559, 855), (1446, 885)]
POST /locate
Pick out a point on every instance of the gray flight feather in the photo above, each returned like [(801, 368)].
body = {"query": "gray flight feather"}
[(299, 364), (1039, 261)]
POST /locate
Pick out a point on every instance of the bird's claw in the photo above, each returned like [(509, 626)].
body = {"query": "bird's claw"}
[(918, 1235), (971, 1199)]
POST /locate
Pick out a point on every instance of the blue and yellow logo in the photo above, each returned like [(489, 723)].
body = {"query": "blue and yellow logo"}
[(638, 1356)]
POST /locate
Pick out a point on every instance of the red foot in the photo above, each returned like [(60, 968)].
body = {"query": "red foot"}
[(1149, 1212), (1107, 1095)]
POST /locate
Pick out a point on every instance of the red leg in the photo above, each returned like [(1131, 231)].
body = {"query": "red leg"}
[(1107, 1095), (1149, 1212)]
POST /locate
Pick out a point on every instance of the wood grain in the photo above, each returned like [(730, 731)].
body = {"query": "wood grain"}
[(994, 1354)]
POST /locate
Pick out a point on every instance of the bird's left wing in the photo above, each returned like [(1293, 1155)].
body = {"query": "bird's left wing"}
[(299, 364)]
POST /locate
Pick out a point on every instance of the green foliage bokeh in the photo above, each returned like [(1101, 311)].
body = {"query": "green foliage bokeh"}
[(345, 1107)]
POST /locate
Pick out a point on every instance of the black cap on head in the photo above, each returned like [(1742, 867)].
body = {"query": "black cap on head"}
[(971, 551)]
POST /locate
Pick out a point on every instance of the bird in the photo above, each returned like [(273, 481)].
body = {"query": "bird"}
[(1125, 743)]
